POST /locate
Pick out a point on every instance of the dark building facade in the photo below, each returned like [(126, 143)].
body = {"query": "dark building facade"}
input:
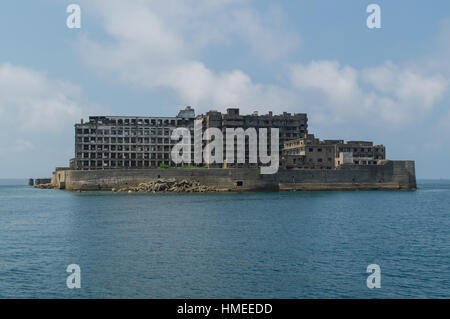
[(108, 142), (290, 127)]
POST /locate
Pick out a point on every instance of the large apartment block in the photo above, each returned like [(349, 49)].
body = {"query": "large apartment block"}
[(107, 142), (290, 126)]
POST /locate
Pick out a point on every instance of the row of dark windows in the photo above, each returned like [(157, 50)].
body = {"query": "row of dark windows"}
[(293, 122), (362, 149), (86, 165), (148, 132), (138, 140), (365, 162), (127, 140), (329, 149), (103, 164), (160, 131), (124, 148), (124, 155), (110, 121)]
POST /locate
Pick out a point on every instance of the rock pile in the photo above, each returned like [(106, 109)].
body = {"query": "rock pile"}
[(45, 186), (171, 185)]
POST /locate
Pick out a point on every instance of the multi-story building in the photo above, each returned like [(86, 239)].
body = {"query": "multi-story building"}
[(107, 142), (290, 127), (310, 152)]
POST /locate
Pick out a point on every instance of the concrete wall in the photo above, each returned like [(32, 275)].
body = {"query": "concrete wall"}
[(39, 181), (389, 175)]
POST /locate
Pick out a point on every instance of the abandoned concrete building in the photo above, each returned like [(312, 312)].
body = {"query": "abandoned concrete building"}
[(109, 142), (310, 152), (290, 127)]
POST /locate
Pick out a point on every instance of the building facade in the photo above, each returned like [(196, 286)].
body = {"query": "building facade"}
[(111, 142), (310, 152), (290, 127), (108, 142)]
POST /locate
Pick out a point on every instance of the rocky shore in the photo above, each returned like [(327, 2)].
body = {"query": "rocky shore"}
[(171, 186), (45, 186), (157, 186)]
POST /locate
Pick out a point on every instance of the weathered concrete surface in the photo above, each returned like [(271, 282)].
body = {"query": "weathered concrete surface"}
[(167, 186), (40, 181), (389, 175)]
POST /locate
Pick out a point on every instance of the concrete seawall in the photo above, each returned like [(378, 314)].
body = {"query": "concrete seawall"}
[(388, 175)]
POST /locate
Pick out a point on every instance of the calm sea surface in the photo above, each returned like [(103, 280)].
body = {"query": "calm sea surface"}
[(252, 245)]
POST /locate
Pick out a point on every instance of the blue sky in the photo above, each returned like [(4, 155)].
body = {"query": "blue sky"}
[(389, 85)]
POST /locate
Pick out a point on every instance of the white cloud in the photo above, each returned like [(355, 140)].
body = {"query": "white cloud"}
[(406, 85), (158, 45), (264, 34), (30, 102), (174, 29), (391, 93), (439, 59), (339, 84), (36, 120)]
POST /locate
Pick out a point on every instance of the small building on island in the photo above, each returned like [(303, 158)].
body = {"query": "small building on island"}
[(309, 152)]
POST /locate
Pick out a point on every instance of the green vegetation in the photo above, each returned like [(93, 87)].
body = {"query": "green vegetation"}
[(165, 166), (191, 167)]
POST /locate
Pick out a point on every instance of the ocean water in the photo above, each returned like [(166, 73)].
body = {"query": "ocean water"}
[(249, 245)]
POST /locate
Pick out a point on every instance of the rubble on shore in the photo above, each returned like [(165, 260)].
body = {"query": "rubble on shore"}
[(45, 186), (169, 185)]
